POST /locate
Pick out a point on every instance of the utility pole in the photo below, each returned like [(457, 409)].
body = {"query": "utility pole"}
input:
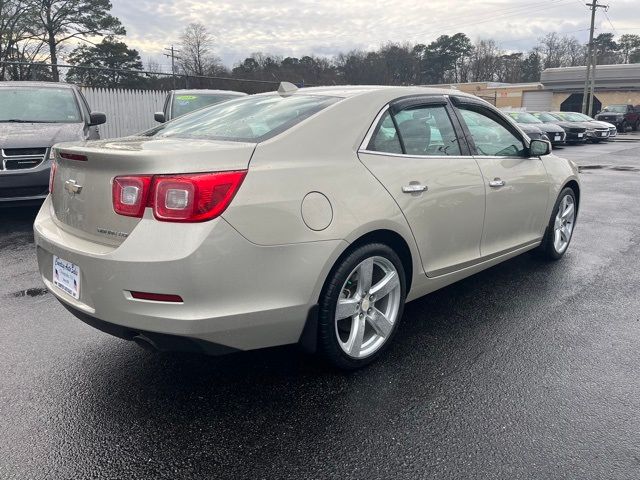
[(590, 57), (172, 54), (593, 79)]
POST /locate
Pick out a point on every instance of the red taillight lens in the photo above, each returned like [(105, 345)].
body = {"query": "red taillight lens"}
[(177, 198), (195, 197), (52, 175), (130, 195)]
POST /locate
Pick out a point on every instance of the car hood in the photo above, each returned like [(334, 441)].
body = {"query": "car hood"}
[(27, 135), (549, 127), (604, 124), (529, 128)]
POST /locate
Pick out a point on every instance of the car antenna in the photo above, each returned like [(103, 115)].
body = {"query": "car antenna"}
[(286, 88)]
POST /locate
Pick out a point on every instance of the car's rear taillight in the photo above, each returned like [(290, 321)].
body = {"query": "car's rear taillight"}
[(194, 198), (52, 175), (177, 198), (130, 195)]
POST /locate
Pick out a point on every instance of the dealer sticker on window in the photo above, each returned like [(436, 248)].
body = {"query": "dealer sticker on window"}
[(66, 276)]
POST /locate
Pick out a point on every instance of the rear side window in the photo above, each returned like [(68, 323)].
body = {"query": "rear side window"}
[(423, 131), (253, 118)]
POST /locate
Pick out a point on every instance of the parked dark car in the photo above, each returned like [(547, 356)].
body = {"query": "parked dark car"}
[(613, 130), (555, 134), (181, 102), (33, 117), (595, 132), (622, 116), (574, 133)]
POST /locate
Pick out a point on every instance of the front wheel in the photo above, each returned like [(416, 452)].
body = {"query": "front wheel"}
[(560, 229), (623, 127), (361, 306), (636, 126)]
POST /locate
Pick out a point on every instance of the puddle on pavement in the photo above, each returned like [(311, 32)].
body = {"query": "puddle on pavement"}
[(30, 292)]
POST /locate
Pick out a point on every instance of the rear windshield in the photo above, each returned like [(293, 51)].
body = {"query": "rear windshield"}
[(254, 118), (189, 102), (42, 105)]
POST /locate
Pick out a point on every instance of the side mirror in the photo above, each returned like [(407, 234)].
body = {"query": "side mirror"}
[(97, 118), (539, 148), (159, 117)]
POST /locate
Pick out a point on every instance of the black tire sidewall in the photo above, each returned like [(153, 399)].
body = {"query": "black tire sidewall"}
[(327, 342)]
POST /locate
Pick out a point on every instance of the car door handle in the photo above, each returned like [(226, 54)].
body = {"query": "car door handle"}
[(497, 183), (414, 188)]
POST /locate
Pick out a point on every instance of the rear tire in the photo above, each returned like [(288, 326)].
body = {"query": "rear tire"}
[(636, 126), (361, 306), (557, 237)]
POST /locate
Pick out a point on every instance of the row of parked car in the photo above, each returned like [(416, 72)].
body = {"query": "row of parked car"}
[(36, 115), (562, 128)]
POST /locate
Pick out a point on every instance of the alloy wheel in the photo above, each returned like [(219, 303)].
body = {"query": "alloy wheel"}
[(563, 226), (368, 306)]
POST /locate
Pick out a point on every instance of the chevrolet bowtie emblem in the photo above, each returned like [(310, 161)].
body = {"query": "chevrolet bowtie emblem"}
[(72, 187)]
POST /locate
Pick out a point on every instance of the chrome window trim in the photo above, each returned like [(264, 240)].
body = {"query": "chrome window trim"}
[(372, 128), (367, 138)]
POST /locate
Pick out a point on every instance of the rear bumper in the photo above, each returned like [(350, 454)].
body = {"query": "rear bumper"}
[(25, 185), (236, 295)]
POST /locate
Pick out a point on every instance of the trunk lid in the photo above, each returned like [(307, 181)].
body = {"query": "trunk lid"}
[(88, 213)]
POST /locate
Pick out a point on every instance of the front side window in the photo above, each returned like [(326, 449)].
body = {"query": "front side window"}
[(40, 105), (252, 118), (422, 131), (491, 137)]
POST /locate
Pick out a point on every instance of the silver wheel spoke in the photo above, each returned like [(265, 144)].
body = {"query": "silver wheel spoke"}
[(568, 212), (365, 277), (380, 323), (385, 286), (347, 307), (354, 343)]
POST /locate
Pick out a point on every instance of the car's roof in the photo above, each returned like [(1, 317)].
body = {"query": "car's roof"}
[(202, 90), (346, 91), (37, 84)]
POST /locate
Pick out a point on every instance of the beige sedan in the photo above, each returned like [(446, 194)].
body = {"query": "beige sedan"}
[(300, 216)]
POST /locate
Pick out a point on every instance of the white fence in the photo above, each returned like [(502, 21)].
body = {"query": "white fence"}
[(128, 111)]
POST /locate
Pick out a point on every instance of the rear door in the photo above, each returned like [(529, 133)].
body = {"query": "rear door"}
[(416, 152), (517, 185)]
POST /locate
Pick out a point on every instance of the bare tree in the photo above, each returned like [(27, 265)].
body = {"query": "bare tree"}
[(196, 51)]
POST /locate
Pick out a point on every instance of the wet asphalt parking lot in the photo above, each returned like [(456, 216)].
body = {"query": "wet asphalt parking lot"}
[(528, 370)]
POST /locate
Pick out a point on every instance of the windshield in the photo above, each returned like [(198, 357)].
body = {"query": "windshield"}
[(545, 117), (523, 117), (187, 103), (583, 117), (249, 119), (615, 108), (42, 105), (570, 116)]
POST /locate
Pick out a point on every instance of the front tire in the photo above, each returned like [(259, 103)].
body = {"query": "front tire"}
[(636, 126), (560, 229), (360, 306)]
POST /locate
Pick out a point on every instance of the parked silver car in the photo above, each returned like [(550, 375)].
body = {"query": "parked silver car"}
[(304, 216), (181, 102), (33, 117)]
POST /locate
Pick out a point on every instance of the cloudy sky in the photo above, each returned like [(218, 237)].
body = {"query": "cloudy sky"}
[(325, 27)]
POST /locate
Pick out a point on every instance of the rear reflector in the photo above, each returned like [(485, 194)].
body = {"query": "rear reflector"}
[(73, 156), (157, 297)]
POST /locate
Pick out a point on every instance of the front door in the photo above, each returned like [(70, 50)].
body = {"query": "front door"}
[(516, 184), (416, 153)]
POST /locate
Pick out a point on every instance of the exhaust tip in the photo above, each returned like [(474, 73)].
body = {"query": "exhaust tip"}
[(145, 343)]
